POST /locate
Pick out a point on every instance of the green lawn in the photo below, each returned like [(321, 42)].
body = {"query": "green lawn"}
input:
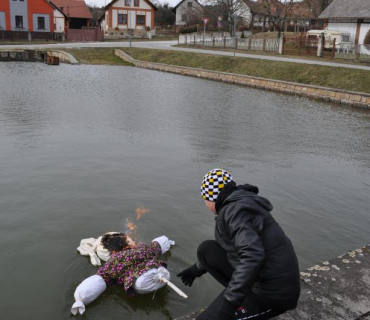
[(333, 77), (96, 56), (340, 78)]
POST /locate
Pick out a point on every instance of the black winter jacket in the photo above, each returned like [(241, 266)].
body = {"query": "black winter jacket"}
[(261, 254)]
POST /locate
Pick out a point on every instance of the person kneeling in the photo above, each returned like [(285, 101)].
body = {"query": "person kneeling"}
[(251, 257)]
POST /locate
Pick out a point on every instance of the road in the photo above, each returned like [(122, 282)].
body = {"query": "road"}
[(169, 45)]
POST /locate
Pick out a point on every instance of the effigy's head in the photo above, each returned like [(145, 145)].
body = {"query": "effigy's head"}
[(114, 242)]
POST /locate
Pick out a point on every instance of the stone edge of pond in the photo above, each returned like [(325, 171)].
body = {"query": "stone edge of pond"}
[(336, 289), (357, 99), (24, 55), (63, 56)]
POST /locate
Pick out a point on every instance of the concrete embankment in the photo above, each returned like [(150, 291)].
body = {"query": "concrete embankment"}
[(357, 99), (36, 55), (338, 289)]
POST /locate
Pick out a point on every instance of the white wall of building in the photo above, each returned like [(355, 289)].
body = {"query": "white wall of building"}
[(2, 20), (59, 21), (120, 8), (184, 8), (246, 14), (347, 26), (350, 26)]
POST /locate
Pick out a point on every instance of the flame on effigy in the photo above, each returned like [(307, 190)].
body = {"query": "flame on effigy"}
[(132, 227), (140, 212)]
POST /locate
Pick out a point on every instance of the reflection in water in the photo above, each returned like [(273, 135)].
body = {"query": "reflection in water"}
[(83, 149)]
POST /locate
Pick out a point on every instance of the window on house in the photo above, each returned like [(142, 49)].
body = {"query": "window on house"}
[(41, 23), (345, 38), (19, 22), (122, 18), (140, 20), (190, 4), (183, 17), (127, 3), (136, 3)]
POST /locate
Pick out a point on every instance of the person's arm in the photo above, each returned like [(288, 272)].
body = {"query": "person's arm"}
[(244, 225)]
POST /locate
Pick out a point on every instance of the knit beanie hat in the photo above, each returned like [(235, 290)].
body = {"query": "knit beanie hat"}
[(213, 182)]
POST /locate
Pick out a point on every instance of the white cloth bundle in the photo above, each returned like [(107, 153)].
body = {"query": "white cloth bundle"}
[(87, 292), (93, 247), (165, 243), (150, 280)]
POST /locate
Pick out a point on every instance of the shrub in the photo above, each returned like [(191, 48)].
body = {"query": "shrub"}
[(188, 29)]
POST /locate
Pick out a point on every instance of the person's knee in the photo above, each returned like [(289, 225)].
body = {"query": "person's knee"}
[(204, 249)]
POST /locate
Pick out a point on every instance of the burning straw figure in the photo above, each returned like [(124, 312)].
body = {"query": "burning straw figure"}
[(135, 267)]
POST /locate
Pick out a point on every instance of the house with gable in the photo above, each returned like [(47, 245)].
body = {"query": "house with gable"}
[(351, 17), (129, 14), (77, 12), (188, 12), (26, 15)]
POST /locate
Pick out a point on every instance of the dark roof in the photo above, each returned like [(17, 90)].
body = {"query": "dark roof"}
[(147, 1), (352, 9), (174, 9), (74, 8)]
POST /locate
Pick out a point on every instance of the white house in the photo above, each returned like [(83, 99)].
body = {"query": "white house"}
[(188, 12), (349, 16), (129, 14)]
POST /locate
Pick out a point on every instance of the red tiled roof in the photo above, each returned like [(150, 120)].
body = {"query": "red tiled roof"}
[(301, 10), (74, 8)]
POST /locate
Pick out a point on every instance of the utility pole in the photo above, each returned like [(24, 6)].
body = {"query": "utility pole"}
[(129, 20), (235, 17)]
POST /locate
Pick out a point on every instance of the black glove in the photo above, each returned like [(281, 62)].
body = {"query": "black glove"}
[(187, 276), (227, 311)]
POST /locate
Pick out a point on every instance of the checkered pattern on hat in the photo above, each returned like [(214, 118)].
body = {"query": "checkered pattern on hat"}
[(213, 182)]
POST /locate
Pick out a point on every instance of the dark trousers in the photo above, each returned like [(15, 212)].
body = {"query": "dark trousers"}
[(213, 258)]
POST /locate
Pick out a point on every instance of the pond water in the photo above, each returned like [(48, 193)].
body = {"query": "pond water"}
[(82, 147)]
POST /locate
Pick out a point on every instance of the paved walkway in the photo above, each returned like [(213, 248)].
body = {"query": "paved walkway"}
[(338, 289), (168, 45)]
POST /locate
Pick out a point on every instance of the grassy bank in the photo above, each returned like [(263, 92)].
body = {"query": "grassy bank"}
[(96, 56), (340, 78)]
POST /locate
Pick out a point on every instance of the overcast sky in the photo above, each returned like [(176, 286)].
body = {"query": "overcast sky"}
[(104, 2)]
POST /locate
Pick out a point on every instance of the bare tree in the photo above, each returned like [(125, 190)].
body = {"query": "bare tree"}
[(229, 10), (317, 6), (278, 12), (165, 15)]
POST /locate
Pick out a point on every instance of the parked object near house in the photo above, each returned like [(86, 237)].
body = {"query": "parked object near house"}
[(341, 38), (121, 16), (353, 18), (188, 12)]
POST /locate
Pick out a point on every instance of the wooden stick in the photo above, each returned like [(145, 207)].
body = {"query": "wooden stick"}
[(172, 286)]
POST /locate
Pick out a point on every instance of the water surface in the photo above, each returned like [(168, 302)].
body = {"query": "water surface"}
[(83, 146)]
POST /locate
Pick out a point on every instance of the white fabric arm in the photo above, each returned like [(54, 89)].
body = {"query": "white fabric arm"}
[(87, 292), (165, 243), (149, 281), (88, 247)]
